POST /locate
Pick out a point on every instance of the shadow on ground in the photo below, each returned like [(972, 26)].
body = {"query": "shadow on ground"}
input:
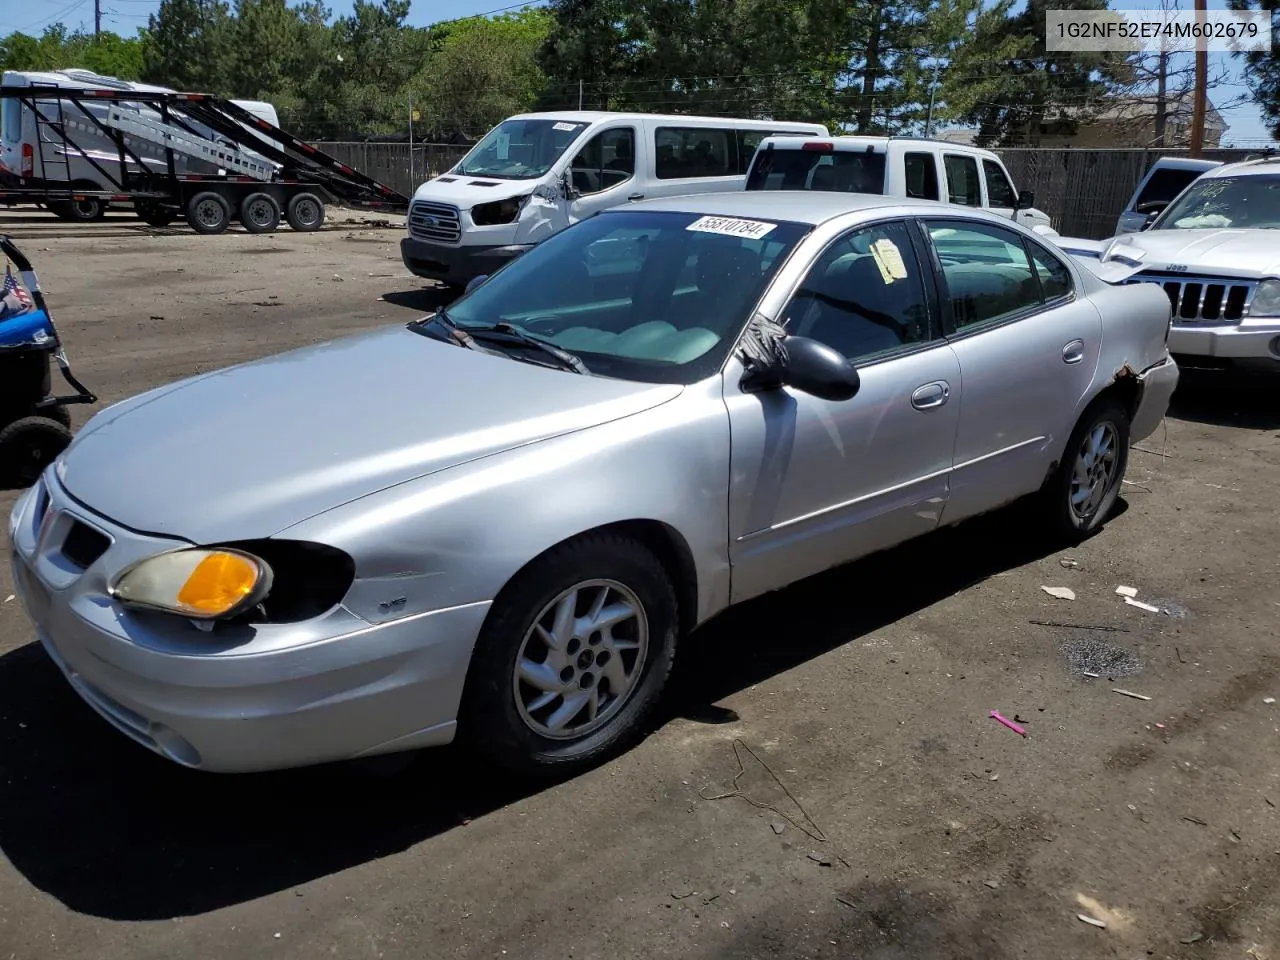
[(112, 831), (1228, 399)]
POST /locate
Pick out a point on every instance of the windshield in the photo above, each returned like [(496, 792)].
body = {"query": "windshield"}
[(654, 297), (841, 171), (520, 149), (1251, 202)]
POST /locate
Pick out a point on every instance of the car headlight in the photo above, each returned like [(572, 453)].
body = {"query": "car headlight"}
[(197, 583), (1266, 299), (499, 211)]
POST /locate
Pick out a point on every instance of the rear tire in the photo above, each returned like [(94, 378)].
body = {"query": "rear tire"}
[(88, 210), (208, 213), (1080, 494), (305, 212), (533, 727), (58, 414), (259, 213), (28, 446)]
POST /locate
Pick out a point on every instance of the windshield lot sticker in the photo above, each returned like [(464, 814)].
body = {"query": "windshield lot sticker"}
[(564, 126), (732, 227), (504, 146), (889, 260)]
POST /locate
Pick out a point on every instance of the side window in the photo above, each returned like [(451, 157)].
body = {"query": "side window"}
[(687, 152), (987, 272), (1000, 192), (1055, 279), (608, 159), (865, 296), (1165, 184), (748, 142), (922, 176), (962, 180)]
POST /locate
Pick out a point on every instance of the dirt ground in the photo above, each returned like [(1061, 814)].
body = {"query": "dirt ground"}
[(881, 812)]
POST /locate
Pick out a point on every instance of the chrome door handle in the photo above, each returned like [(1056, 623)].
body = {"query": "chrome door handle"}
[(636, 196), (931, 395), (1073, 352)]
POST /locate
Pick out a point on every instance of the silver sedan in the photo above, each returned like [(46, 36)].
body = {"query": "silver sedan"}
[(497, 523)]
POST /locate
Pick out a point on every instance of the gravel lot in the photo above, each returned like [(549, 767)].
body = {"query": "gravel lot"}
[(882, 812)]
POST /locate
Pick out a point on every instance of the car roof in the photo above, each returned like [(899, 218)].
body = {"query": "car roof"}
[(797, 206), (1244, 168), (855, 142)]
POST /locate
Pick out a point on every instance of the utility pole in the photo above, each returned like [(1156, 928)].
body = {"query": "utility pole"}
[(579, 93), (928, 120), (1202, 80), (97, 18), (410, 141)]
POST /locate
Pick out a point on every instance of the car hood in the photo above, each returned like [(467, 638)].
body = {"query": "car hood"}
[(464, 192), (248, 451), (1248, 254)]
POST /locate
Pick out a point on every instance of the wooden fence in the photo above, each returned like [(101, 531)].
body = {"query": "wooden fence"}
[(1083, 191)]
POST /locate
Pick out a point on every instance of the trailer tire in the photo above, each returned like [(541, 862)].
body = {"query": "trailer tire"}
[(28, 446), (208, 213), (305, 212), (153, 214), (88, 210), (259, 213)]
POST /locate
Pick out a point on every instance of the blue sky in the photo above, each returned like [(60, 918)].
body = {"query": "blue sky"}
[(125, 16)]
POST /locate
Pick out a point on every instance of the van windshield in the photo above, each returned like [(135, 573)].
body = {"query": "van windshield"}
[(841, 171), (520, 149)]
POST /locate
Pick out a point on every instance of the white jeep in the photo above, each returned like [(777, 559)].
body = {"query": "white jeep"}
[(1216, 251)]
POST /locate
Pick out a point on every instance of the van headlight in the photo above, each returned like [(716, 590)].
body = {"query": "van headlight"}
[(499, 211), (1266, 299), (197, 583)]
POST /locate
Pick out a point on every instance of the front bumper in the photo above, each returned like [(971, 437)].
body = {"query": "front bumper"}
[(456, 265), (1244, 344), (1157, 384), (275, 697)]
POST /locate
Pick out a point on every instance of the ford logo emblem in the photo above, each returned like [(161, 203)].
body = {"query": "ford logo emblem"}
[(431, 221)]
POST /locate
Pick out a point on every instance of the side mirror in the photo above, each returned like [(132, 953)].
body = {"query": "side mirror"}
[(816, 369), (1151, 218), (570, 191), (475, 282), (1026, 199)]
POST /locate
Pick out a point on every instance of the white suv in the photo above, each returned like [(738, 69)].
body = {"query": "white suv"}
[(1215, 251), (897, 167)]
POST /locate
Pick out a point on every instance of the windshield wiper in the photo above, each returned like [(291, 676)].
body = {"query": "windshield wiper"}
[(453, 332), (506, 333)]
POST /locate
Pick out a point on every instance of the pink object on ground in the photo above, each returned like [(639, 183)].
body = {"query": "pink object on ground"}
[(1008, 723)]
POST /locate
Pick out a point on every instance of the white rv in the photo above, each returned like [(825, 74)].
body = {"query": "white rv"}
[(33, 149), (535, 174)]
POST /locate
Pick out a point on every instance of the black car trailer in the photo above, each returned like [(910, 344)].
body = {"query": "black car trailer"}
[(244, 189)]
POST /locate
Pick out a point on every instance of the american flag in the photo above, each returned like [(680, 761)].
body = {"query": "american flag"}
[(12, 286)]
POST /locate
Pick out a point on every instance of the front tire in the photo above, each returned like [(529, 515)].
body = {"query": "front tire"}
[(1083, 490), (572, 659)]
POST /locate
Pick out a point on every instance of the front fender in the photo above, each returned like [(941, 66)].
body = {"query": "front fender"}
[(458, 536)]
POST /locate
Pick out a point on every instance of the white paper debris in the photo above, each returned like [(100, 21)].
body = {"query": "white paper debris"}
[(1091, 921), (8, 598), (1129, 693), (1062, 593), (1127, 591), (1268, 699), (1140, 605)]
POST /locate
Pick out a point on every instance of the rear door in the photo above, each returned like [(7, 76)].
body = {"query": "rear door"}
[(1002, 199), (964, 182), (1028, 348)]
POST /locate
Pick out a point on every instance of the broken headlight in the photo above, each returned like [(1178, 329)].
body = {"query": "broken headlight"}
[(499, 211)]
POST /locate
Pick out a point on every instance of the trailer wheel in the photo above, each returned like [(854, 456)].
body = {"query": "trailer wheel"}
[(208, 213), (305, 212), (259, 213), (86, 210), (29, 445), (153, 214)]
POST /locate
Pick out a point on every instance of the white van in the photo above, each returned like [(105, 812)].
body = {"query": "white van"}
[(31, 147), (535, 174), (912, 167)]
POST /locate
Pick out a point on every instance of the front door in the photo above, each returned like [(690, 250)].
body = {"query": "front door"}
[(815, 483), (603, 172), (1028, 349)]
